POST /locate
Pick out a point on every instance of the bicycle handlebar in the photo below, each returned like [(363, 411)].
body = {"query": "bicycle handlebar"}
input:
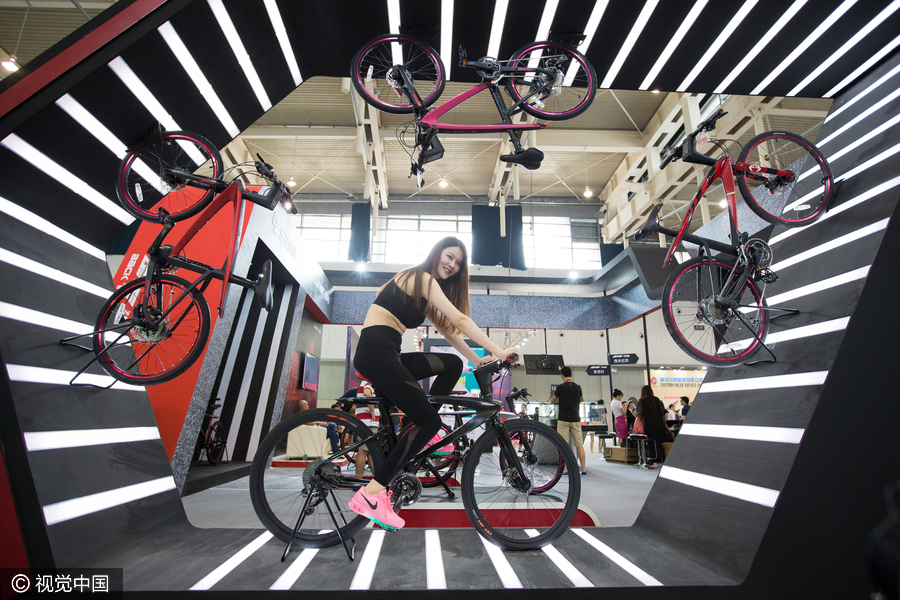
[(689, 144)]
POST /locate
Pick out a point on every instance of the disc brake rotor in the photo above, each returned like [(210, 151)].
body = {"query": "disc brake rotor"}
[(145, 335)]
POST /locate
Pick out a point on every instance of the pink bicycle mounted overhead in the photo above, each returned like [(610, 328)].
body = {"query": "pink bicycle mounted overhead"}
[(401, 75)]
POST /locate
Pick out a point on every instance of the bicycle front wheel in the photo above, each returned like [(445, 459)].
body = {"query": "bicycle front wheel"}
[(800, 193), (300, 467), (714, 335), (137, 347), (513, 512), (215, 443), (148, 179), (375, 75), (565, 91)]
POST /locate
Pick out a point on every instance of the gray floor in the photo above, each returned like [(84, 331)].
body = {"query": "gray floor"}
[(614, 492)]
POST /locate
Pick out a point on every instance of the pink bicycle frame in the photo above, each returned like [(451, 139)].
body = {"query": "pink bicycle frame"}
[(431, 119)]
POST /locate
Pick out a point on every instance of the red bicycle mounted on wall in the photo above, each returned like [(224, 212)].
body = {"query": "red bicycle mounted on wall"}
[(714, 306), (401, 75)]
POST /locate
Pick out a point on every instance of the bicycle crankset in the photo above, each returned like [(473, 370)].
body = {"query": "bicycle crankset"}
[(406, 489)]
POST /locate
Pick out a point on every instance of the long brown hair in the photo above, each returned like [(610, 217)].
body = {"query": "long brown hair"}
[(456, 288)]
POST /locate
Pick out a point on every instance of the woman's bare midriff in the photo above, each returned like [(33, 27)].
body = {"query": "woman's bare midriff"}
[(382, 316)]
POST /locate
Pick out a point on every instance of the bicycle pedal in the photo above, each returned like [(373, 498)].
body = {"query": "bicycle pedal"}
[(766, 276)]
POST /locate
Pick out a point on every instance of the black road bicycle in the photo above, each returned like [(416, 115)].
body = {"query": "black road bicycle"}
[(506, 478)]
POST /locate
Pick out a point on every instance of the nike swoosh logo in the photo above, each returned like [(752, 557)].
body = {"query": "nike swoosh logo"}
[(372, 506)]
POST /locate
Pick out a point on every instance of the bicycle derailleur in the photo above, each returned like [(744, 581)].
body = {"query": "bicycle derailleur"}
[(315, 478)]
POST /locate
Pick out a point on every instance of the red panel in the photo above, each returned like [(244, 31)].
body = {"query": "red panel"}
[(12, 549), (454, 518), (170, 400)]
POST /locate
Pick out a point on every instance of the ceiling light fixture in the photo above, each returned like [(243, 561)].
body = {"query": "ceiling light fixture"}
[(10, 64), (625, 50), (361, 266), (816, 34), (771, 32), (673, 43), (176, 45), (717, 44), (291, 182), (587, 192), (283, 40), (240, 53), (573, 274), (443, 183), (887, 12), (723, 203)]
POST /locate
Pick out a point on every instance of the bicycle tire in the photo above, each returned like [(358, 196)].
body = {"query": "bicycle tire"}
[(143, 184), (139, 356), (687, 313), (504, 513), (576, 82), (528, 455), (374, 62), (770, 197), (276, 484), (215, 442)]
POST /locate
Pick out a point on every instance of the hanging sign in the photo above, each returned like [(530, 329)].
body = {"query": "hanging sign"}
[(597, 370), (623, 359)]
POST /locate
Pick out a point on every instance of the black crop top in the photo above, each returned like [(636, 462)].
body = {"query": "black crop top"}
[(399, 303)]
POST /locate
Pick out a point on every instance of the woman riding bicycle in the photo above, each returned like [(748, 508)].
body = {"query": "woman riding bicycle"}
[(438, 289)]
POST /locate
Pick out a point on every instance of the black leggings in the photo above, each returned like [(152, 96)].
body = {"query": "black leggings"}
[(396, 375)]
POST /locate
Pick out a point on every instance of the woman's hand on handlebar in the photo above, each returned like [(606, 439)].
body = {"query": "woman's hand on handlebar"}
[(506, 353)]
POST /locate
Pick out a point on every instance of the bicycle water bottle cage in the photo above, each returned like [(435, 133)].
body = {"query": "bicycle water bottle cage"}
[(651, 225)]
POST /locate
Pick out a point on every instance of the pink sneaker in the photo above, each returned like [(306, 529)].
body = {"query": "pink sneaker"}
[(446, 450), (376, 508)]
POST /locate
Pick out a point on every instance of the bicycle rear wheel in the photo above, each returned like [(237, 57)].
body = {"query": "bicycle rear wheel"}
[(374, 77), (792, 201), (135, 352), (146, 181), (714, 336), (215, 443), (295, 461), (509, 511), (565, 93)]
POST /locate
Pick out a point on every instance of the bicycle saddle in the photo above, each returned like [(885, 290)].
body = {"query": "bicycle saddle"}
[(530, 158)]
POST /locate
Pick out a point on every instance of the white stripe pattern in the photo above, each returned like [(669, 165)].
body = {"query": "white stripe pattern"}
[(29, 374), (362, 579), (86, 505), (42, 224), (765, 383), (575, 576), (229, 565), (618, 559), (719, 485), (504, 570), (436, 579), (22, 262), (753, 433), (78, 438)]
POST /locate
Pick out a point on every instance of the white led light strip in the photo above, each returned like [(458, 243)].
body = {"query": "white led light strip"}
[(867, 195), (625, 50), (447, 35), (719, 485), (436, 579), (42, 319), (504, 570), (771, 32), (229, 565), (176, 45), (543, 30), (618, 559), (142, 93), (765, 383), (717, 44), (828, 246), (79, 438), (872, 109), (590, 29), (816, 34), (869, 163), (869, 89), (240, 53), (753, 433), (575, 576), (673, 43), (884, 14), (293, 572), (65, 177), (787, 335), (362, 579), (819, 286), (283, 40), (17, 260), (29, 374), (86, 505), (41, 224), (871, 134)]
